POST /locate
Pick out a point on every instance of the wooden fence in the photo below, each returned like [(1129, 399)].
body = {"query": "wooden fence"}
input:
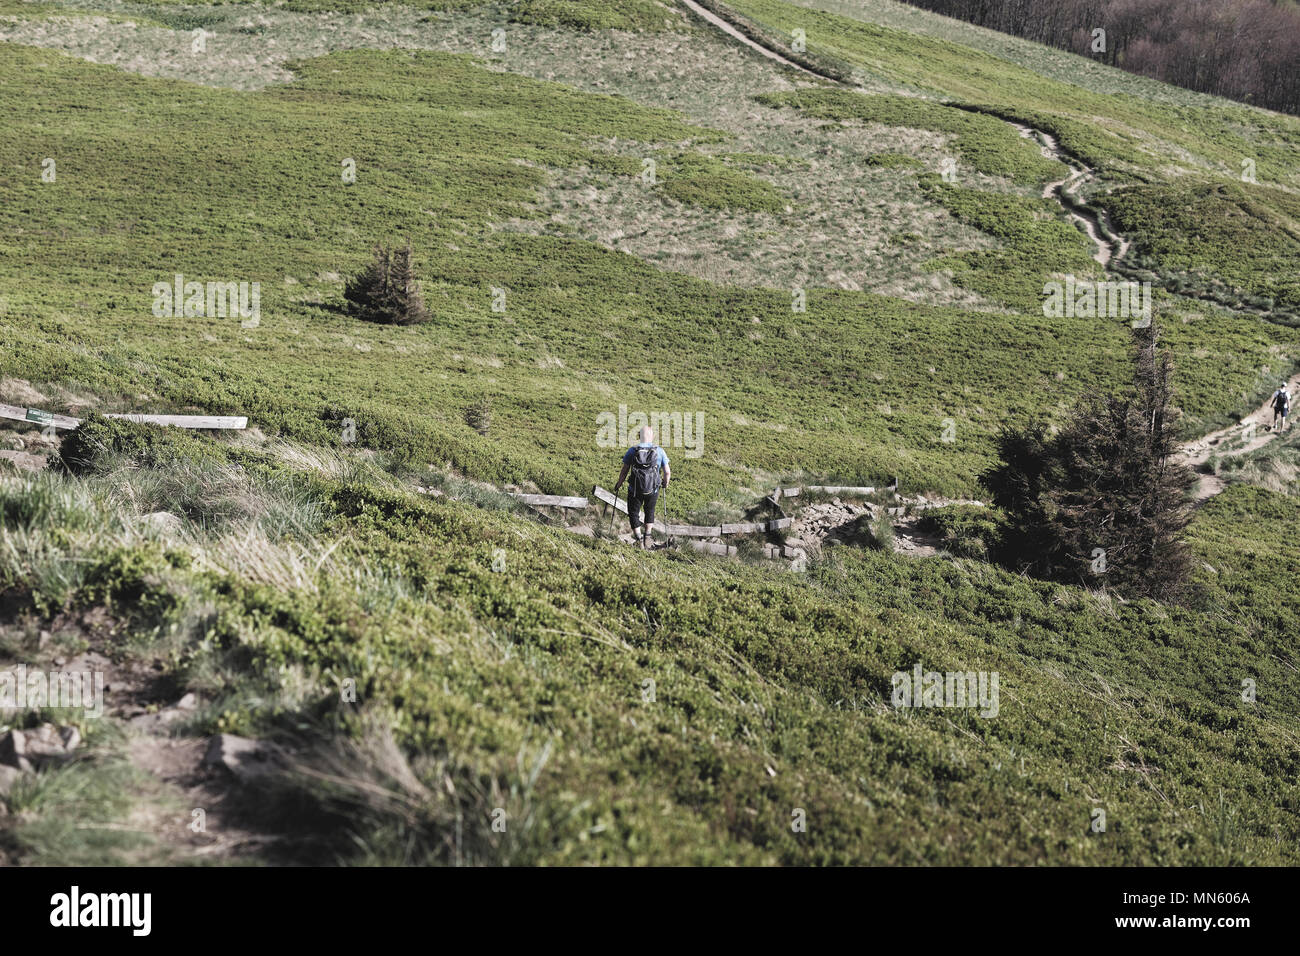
[(38, 417), (606, 497)]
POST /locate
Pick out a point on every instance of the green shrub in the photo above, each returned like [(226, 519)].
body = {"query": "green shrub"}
[(966, 531), (706, 181), (894, 161), (479, 415), (1104, 501), (100, 443), (1244, 235)]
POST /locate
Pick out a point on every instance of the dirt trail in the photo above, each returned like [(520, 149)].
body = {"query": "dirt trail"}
[(1064, 191), (1068, 188), (727, 28), (1254, 429), (139, 699)]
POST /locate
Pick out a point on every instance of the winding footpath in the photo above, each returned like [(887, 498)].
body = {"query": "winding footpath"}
[(1254, 429), (1108, 250), (1252, 432)]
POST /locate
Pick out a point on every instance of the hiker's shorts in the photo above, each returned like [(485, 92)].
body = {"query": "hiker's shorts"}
[(635, 506)]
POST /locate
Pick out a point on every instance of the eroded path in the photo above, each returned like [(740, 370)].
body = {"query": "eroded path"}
[(1252, 432), (1066, 193), (716, 21)]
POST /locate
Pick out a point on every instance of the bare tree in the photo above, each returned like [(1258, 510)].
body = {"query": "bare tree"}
[(1246, 50)]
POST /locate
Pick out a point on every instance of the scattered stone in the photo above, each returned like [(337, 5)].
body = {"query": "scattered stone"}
[(25, 750), (90, 662), (246, 759), (583, 531), (13, 751), (152, 723)]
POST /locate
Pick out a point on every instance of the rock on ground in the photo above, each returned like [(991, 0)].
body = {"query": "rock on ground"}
[(246, 759), (25, 750)]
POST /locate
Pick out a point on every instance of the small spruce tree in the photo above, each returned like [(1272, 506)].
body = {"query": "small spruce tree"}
[(479, 415), (367, 292), (386, 291), (1105, 501), (405, 303)]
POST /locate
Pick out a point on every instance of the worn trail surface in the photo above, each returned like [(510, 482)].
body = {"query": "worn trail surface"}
[(1254, 429)]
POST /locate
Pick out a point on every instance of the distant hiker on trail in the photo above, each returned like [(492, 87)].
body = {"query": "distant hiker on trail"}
[(644, 461), (1281, 406)]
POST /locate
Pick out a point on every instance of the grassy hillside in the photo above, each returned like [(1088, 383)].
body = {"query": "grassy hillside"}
[(619, 706), (1154, 155), (528, 687), (859, 385)]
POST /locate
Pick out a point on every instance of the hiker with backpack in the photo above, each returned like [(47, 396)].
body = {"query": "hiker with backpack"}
[(1281, 406), (647, 465)]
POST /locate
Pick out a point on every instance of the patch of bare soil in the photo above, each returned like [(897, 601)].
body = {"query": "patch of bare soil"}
[(22, 460), (1253, 431), (199, 810), (25, 448), (18, 391)]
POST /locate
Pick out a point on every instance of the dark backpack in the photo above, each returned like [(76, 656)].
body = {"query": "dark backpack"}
[(644, 479), (1281, 402)]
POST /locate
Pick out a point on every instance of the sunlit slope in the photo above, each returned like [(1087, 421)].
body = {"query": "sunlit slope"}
[(661, 708), (1225, 172), (157, 178)]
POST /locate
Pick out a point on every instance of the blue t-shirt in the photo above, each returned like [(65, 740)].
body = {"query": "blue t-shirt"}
[(630, 455)]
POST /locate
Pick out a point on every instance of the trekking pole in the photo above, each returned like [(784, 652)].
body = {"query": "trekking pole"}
[(627, 506), (668, 536)]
